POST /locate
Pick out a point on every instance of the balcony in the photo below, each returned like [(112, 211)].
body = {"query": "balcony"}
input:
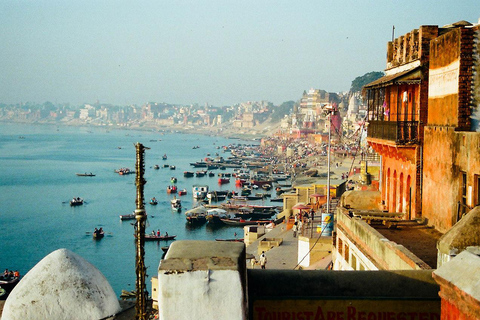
[(401, 132)]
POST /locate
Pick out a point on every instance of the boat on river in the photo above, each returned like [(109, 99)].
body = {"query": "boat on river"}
[(176, 204), (7, 283), (201, 173), (188, 174), (151, 237), (199, 191), (76, 202), (243, 222), (98, 233), (153, 201), (197, 215), (172, 189), (223, 180), (86, 174), (216, 214), (124, 171)]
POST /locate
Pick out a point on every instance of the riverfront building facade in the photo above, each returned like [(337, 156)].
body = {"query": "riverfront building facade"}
[(423, 120)]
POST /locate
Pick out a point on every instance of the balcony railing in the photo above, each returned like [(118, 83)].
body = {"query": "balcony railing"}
[(402, 132)]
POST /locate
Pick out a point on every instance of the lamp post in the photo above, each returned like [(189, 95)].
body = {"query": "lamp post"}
[(140, 215), (330, 110)]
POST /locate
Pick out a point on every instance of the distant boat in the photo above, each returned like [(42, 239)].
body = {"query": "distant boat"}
[(172, 167), (182, 192), (223, 180), (196, 215), (200, 191), (127, 216), (156, 167), (151, 237), (242, 222), (201, 173), (164, 157), (173, 180), (76, 202), (85, 174), (124, 171), (188, 174), (98, 233), (172, 189), (231, 240), (153, 201), (176, 204)]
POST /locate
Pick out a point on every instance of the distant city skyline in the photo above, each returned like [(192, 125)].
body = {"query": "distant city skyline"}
[(185, 52)]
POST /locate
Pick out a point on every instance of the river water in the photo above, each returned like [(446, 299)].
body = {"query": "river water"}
[(38, 165)]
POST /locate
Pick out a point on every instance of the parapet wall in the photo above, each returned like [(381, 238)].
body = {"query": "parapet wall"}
[(207, 280), (386, 254), (300, 294)]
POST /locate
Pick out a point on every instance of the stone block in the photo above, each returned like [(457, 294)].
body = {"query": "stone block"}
[(203, 280)]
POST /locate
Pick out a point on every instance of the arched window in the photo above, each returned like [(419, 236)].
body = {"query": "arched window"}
[(386, 190), (400, 194), (409, 198), (393, 207)]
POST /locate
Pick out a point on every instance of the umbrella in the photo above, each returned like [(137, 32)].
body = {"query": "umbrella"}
[(300, 206), (317, 195)]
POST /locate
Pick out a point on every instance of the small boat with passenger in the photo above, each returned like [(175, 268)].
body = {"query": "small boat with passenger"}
[(86, 174), (98, 233), (155, 237), (176, 204), (8, 280), (76, 202)]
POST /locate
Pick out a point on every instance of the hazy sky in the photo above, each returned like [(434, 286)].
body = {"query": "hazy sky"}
[(213, 51)]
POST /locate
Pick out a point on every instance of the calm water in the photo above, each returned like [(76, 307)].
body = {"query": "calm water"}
[(38, 165)]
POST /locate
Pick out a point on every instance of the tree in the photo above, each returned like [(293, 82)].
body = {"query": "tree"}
[(359, 82), (279, 112)]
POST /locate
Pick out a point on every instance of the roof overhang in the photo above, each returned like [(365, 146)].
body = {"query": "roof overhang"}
[(411, 76)]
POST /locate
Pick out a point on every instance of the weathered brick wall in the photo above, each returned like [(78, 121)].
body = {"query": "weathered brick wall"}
[(475, 121), (444, 77), (440, 178)]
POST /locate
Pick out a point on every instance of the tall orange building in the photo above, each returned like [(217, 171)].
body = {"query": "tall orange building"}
[(420, 122), (397, 111), (451, 170)]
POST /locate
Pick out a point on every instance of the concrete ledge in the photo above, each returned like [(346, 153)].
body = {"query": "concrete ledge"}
[(203, 280), (459, 280), (377, 246), (268, 243)]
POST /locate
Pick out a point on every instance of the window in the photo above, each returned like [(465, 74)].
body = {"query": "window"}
[(462, 205), (476, 201), (353, 262), (347, 252), (340, 246)]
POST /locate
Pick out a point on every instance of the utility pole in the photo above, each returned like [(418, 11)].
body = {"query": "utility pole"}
[(140, 215), (329, 114)]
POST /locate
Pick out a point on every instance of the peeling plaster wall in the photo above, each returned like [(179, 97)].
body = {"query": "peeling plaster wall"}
[(450, 149), (440, 185)]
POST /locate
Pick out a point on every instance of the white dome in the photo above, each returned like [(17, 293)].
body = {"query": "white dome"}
[(62, 285)]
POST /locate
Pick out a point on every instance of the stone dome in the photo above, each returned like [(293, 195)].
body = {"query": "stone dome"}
[(62, 285)]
